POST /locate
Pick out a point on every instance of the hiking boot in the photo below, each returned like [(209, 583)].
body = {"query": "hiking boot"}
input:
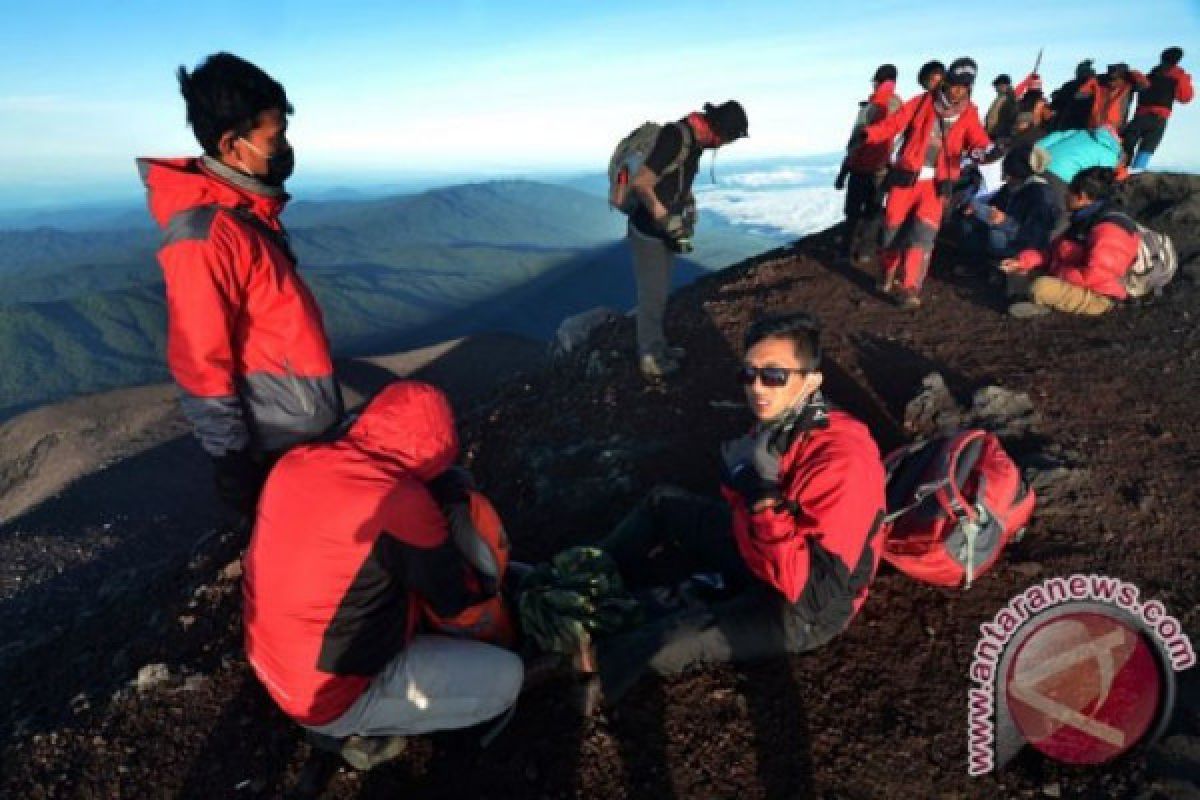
[(908, 300), (363, 753), (1027, 310), (655, 368)]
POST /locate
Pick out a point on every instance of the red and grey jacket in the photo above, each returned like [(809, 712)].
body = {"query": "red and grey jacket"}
[(821, 547), (348, 538), (1168, 85), (1094, 253), (869, 158), (245, 339), (916, 120)]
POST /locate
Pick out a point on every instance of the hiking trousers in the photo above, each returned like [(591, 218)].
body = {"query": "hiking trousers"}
[(652, 262), (669, 536), (1141, 137), (1062, 296), (864, 211), (436, 683), (911, 218)]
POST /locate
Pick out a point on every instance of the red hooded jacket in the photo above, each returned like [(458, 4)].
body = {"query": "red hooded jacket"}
[(822, 555), (916, 119), (245, 339), (347, 538), (1095, 257), (868, 158)]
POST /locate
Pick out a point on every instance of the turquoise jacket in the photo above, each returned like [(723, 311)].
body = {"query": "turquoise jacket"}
[(1072, 151)]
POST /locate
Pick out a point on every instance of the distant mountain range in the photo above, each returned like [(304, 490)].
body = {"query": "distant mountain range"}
[(82, 310)]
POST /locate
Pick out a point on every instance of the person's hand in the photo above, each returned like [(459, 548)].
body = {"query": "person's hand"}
[(1009, 265), (839, 182), (238, 479), (752, 469), (997, 217)]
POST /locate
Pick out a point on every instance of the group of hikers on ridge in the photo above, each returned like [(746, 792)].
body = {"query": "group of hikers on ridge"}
[(1050, 230), (377, 588)]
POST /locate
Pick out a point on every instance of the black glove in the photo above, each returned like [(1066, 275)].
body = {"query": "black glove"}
[(839, 182), (452, 486), (239, 479), (752, 467)]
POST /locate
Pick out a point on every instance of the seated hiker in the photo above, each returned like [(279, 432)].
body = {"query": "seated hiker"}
[(793, 544), (937, 129), (1166, 84), (1022, 215), (866, 166), (1083, 270), (352, 542)]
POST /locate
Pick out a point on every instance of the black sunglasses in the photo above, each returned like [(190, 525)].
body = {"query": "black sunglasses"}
[(772, 377)]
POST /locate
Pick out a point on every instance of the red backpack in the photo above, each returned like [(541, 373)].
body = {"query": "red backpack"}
[(954, 502), (488, 551)]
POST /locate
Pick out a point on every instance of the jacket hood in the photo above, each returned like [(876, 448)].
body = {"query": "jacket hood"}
[(412, 424), (177, 184)]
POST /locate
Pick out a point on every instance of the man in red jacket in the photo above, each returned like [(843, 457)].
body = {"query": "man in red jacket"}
[(352, 539), (866, 166), (245, 339), (937, 129), (1083, 272), (793, 547), (1168, 83)]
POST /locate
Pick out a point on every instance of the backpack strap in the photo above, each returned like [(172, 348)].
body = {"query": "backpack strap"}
[(676, 165)]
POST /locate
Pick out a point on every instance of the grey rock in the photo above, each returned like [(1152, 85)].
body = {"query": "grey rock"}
[(151, 675), (573, 332), (933, 410), (1002, 411)]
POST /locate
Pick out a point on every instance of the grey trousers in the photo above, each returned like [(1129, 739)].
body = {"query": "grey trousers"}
[(436, 683), (652, 262)]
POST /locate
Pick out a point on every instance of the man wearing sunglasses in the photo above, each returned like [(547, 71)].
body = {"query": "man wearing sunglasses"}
[(792, 549)]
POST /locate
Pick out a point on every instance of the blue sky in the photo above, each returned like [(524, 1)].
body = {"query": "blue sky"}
[(383, 90)]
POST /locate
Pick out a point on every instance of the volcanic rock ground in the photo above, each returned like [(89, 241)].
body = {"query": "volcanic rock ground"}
[(564, 451)]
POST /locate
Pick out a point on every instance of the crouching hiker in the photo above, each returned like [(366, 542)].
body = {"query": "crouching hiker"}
[(1083, 271), (937, 129), (356, 541), (794, 544)]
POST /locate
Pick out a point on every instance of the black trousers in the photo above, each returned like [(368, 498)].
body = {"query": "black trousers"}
[(1143, 133), (671, 535)]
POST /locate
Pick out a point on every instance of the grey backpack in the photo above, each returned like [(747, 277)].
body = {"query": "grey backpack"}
[(1155, 264), (628, 158)]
